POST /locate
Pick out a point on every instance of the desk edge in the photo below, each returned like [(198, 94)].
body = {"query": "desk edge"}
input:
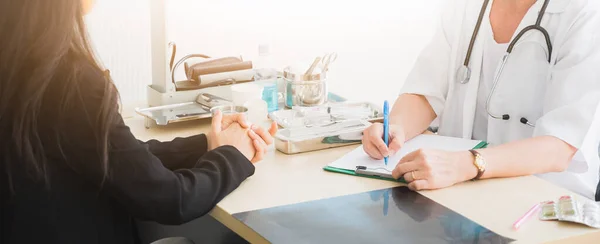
[(236, 226)]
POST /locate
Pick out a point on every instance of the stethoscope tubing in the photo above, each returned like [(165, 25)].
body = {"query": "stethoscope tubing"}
[(475, 32), (467, 75)]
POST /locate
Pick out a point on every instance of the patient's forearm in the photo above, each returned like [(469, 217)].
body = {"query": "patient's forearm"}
[(413, 113), (526, 157)]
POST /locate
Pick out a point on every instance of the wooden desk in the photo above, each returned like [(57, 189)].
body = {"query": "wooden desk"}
[(282, 179)]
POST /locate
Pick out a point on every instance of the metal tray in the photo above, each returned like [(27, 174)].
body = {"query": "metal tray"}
[(173, 113), (167, 114), (164, 115), (299, 117), (299, 140)]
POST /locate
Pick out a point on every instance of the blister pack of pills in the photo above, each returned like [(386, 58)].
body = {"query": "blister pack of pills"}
[(569, 209), (548, 211)]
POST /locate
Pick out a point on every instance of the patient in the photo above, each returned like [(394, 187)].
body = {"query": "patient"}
[(71, 170)]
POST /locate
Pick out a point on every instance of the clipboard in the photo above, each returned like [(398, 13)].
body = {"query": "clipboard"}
[(381, 173), (364, 173)]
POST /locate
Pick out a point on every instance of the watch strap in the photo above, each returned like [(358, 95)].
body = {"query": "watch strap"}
[(479, 164)]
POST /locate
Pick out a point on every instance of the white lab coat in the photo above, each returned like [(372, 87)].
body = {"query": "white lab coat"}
[(562, 98)]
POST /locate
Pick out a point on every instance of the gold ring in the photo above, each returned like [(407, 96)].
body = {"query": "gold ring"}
[(412, 173)]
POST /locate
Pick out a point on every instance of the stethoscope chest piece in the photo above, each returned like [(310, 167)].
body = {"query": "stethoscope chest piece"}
[(463, 74)]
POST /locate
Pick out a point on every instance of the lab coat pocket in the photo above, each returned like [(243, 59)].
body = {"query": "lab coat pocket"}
[(521, 90), (536, 78)]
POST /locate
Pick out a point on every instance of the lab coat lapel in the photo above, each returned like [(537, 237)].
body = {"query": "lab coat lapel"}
[(554, 6), (529, 19), (472, 89)]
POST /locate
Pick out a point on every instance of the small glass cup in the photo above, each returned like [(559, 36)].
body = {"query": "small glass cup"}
[(230, 110)]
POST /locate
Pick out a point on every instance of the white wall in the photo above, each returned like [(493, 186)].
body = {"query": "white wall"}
[(120, 31), (377, 41)]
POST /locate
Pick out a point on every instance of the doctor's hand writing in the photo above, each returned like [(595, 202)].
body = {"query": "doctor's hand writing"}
[(374, 145), (433, 169)]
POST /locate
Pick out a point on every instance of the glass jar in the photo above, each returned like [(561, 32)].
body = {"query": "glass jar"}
[(304, 90)]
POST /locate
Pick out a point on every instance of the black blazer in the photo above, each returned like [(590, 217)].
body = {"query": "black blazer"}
[(167, 182)]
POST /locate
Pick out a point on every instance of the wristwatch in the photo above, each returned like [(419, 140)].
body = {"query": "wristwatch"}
[(479, 163)]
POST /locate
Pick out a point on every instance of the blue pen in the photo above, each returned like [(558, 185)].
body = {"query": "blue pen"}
[(386, 126)]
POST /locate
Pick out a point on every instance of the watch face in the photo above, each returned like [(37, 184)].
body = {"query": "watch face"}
[(479, 162)]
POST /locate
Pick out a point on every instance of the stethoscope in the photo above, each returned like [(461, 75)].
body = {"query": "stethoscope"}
[(463, 74)]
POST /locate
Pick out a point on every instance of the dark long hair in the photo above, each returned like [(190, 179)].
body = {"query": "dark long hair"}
[(37, 39)]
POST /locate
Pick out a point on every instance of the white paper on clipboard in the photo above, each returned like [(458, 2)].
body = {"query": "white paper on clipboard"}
[(358, 157)]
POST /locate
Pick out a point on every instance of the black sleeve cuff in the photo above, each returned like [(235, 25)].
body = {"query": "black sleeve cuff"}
[(241, 165), (197, 143), (181, 152)]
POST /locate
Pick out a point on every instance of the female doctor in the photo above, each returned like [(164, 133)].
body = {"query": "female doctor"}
[(523, 75)]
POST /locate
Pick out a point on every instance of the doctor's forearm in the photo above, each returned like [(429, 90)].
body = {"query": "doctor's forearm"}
[(413, 113), (527, 157)]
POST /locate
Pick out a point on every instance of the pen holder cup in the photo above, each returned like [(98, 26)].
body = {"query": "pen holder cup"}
[(305, 90)]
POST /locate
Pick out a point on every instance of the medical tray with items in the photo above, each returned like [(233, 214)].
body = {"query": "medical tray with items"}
[(569, 209), (326, 114), (306, 129)]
